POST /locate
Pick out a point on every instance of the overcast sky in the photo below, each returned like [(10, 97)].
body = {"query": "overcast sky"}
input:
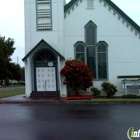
[(12, 21)]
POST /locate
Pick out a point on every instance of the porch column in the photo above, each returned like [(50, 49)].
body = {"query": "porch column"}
[(28, 85), (63, 88)]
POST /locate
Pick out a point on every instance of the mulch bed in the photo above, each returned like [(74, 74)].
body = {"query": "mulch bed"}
[(84, 97)]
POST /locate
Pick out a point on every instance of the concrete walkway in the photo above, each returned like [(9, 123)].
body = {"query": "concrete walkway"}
[(21, 97), (11, 88)]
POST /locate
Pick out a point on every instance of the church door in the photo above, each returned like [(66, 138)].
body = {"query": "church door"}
[(46, 79), (45, 71)]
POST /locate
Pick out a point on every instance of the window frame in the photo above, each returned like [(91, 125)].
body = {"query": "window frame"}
[(96, 52), (85, 50), (93, 69)]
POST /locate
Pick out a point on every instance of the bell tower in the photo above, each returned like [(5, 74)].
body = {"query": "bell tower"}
[(44, 35)]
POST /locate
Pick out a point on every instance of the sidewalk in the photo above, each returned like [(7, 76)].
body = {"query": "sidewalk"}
[(23, 99)]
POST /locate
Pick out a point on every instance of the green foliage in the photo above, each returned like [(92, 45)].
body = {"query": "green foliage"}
[(15, 71), (109, 88), (95, 91), (7, 68), (130, 96), (0, 83), (6, 50), (23, 74), (7, 82), (77, 75)]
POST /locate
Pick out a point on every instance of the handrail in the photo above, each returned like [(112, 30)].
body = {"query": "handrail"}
[(45, 88)]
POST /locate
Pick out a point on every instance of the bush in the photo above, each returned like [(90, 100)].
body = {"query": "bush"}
[(95, 91), (109, 88), (77, 75), (130, 96)]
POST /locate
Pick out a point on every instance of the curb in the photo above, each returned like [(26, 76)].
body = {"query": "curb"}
[(61, 102), (45, 102)]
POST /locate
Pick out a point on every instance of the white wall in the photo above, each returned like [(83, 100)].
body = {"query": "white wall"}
[(123, 44)]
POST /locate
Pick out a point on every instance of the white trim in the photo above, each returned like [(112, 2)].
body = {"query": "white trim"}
[(119, 17)]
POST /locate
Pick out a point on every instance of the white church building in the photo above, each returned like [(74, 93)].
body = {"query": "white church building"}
[(97, 32)]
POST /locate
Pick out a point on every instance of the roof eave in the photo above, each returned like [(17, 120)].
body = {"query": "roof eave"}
[(28, 54)]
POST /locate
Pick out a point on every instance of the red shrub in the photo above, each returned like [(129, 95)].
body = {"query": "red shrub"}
[(77, 75)]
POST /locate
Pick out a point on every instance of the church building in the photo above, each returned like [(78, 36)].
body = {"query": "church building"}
[(97, 32)]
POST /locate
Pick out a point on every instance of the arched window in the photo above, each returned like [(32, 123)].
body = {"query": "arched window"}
[(91, 34), (45, 56), (96, 52), (91, 40), (80, 51), (102, 48)]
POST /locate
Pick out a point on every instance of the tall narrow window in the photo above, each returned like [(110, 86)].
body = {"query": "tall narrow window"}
[(91, 39), (80, 51), (102, 59)]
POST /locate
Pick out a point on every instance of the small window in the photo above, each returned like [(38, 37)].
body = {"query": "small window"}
[(89, 3), (80, 51)]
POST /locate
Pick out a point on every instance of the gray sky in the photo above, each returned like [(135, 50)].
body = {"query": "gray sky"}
[(12, 21)]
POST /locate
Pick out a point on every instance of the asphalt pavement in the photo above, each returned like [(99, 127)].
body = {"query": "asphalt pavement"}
[(11, 88), (47, 119), (68, 122)]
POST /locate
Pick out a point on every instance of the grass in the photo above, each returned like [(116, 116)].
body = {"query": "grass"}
[(14, 85), (11, 93), (114, 100)]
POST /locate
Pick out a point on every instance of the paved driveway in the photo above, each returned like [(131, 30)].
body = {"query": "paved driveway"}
[(11, 88), (67, 122)]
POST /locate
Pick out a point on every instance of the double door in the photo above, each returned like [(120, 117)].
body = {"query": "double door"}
[(46, 78)]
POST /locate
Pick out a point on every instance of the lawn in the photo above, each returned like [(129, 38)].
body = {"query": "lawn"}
[(114, 100), (11, 93)]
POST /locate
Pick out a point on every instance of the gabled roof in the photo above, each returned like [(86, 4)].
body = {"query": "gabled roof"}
[(123, 14), (48, 46), (114, 6), (67, 6)]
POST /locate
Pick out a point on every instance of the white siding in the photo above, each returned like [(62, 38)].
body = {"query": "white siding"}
[(123, 44)]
